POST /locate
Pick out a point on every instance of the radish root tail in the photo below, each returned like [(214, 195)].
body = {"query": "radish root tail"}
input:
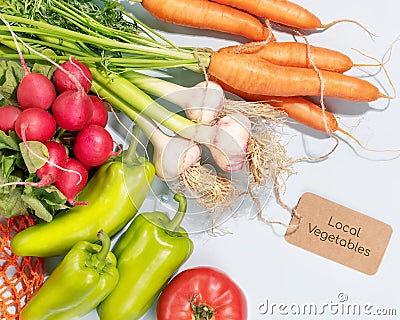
[(15, 38), (23, 134), (26, 71), (37, 184)]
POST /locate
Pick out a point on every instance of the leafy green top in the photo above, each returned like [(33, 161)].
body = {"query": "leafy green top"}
[(18, 165), (108, 13), (100, 32)]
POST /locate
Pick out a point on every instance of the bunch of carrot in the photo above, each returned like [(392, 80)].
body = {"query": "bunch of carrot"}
[(281, 73)]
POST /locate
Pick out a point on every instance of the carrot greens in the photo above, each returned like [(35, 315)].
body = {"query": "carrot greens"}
[(84, 29)]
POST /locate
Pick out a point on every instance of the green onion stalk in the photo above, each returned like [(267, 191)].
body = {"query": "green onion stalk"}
[(178, 159), (227, 142), (206, 103)]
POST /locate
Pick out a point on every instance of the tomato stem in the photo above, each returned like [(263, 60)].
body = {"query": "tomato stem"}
[(201, 311)]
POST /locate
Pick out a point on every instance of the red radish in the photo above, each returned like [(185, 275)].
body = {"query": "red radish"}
[(70, 183), (54, 165), (35, 91), (72, 110), (36, 124), (93, 145), (49, 173), (74, 71), (8, 116), (100, 113)]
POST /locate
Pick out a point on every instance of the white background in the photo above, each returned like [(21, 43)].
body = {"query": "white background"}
[(256, 255)]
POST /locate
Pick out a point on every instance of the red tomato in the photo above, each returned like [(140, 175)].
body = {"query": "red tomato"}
[(203, 290)]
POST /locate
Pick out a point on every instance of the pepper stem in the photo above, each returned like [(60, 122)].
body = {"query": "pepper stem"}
[(130, 156), (99, 259), (176, 221)]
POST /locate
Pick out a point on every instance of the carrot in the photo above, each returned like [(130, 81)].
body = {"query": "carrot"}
[(280, 11), (299, 109), (295, 54), (305, 112), (252, 74), (204, 14)]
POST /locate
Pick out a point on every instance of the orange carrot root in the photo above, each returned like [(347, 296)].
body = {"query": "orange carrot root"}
[(306, 112), (282, 12), (295, 54), (252, 74), (299, 109), (204, 14)]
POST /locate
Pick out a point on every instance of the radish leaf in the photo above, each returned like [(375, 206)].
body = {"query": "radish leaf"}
[(32, 160), (43, 67), (9, 141), (45, 202), (11, 74)]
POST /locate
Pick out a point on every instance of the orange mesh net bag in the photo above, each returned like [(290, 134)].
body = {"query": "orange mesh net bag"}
[(20, 277)]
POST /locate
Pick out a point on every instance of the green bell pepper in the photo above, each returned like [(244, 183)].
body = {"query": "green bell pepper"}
[(148, 253), (114, 195), (83, 279)]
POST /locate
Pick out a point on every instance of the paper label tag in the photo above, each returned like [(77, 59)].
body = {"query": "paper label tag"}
[(339, 233)]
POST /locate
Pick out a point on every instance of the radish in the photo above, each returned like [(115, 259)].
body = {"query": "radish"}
[(100, 113), (54, 166), (93, 145), (35, 91), (70, 183), (49, 173), (35, 124), (72, 110), (8, 116), (74, 71)]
